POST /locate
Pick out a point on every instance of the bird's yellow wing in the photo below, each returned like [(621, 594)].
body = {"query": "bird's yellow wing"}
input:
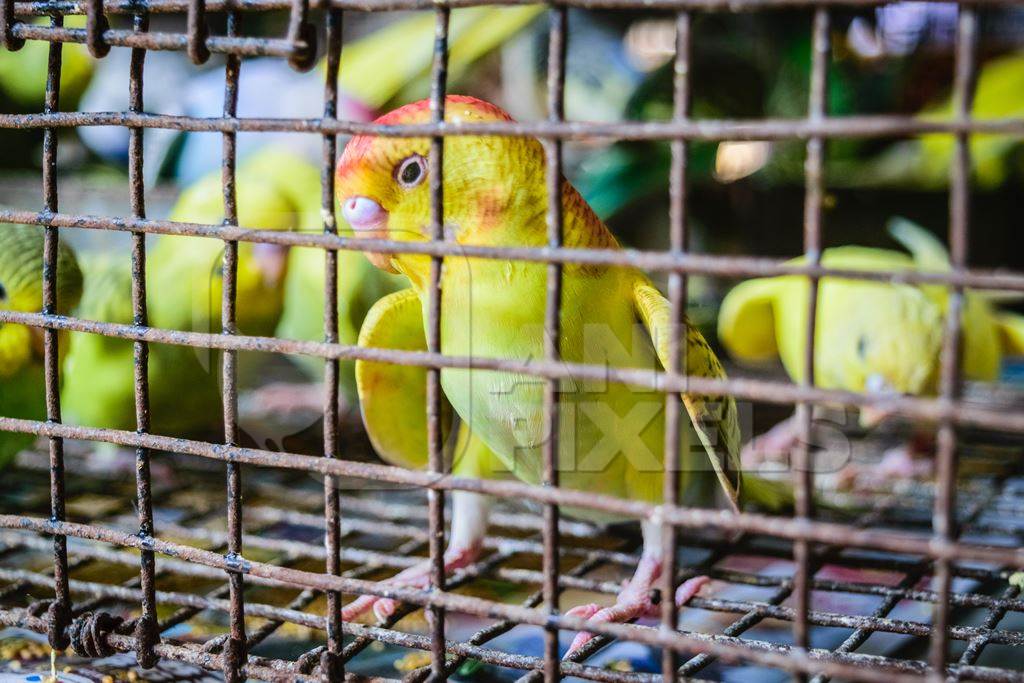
[(1011, 331), (929, 253), (715, 419), (762, 318), (982, 352), (370, 75), (393, 398)]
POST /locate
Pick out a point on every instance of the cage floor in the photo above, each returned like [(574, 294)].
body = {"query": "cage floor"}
[(868, 607)]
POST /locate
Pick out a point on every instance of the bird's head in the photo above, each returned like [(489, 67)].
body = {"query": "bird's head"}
[(21, 289), (886, 348), (383, 184)]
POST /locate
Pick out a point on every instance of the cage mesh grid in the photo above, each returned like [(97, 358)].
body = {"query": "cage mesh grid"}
[(813, 541), (515, 535)]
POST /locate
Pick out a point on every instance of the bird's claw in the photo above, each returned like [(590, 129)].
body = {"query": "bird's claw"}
[(632, 603), (619, 612), (382, 607), (357, 607), (773, 446), (417, 576), (901, 464)]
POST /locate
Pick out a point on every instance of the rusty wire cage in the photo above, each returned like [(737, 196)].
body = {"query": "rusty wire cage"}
[(923, 542)]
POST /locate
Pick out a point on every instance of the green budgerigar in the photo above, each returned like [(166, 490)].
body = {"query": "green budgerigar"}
[(924, 161), (611, 436), (23, 72), (876, 337), (22, 392), (184, 286)]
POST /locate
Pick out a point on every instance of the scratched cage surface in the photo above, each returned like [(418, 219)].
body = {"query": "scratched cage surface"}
[(913, 537)]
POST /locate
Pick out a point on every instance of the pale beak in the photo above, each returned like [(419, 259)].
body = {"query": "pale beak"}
[(370, 220), (872, 416), (364, 214)]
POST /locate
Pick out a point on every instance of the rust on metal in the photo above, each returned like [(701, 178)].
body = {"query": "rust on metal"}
[(933, 551)]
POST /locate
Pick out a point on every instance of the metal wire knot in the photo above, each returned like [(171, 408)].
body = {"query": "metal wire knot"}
[(304, 55), (90, 631), (196, 32), (58, 616), (302, 36)]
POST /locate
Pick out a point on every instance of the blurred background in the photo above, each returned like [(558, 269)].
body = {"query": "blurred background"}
[(747, 197), (744, 198)]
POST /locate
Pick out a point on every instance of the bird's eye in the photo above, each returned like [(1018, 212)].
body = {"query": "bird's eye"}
[(3, 293), (862, 347), (411, 171)]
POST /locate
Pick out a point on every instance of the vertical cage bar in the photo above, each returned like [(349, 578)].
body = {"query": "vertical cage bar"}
[(677, 286), (803, 473), (435, 437), (195, 27), (95, 25), (147, 629), (235, 654), (944, 524), (60, 610), (552, 326), (332, 664), (302, 37), (7, 22)]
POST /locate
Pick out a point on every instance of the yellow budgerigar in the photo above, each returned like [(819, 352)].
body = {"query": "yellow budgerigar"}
[(874, 337), (22, 389), (611, 436), (23, 72)]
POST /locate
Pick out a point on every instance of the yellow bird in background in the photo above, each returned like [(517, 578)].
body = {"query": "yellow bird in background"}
[(870, 336), (22, 375)]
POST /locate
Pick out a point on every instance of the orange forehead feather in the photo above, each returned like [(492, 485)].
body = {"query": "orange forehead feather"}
[(457, 107)]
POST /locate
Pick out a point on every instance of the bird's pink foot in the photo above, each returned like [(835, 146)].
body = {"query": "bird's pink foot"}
[(905, 462), (910, 461), (417, 576), (775, 445), (690, 588), (634, 601)]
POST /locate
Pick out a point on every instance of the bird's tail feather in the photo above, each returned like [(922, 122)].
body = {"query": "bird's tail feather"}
[(928, 252), (771, 495), (776, 495)]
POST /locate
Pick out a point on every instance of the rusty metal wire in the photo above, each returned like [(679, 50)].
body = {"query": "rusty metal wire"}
[(518, 537), (929, 549)]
